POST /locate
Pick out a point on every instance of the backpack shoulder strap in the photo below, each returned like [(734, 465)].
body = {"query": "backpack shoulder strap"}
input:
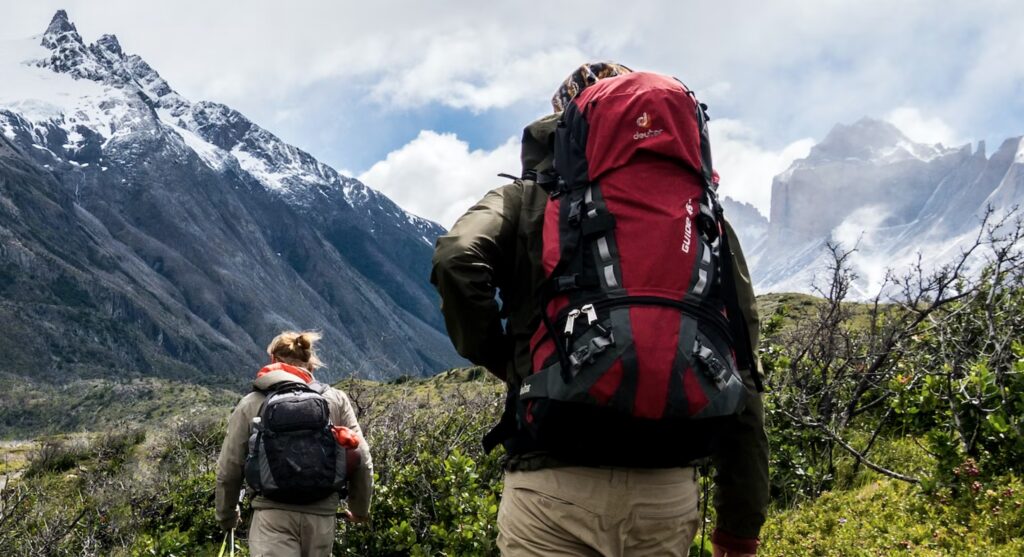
[(318, 387), (284, 386)]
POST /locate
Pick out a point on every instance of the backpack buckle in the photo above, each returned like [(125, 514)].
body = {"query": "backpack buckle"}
[(586, 354), (714, 369), (576, 213)]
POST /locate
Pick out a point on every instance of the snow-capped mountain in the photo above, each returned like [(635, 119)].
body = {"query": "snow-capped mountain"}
[(868, 186), (188, 235)]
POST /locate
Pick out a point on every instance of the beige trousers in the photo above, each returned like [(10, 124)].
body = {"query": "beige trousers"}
[(607, 512), (280, 533)]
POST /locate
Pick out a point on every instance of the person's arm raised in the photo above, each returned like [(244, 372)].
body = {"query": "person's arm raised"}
[(468, 263)]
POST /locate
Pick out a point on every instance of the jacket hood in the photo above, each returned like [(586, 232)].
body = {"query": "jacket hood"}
[(538, 143), (277, 373)]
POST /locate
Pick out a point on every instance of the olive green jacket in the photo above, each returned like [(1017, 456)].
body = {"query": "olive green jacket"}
[(231, 462), (495, 249)]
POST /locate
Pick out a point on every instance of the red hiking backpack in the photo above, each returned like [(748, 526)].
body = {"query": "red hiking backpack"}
[(636, 335)]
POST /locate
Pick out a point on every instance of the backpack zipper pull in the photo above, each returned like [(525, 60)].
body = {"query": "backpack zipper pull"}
[(570, 321), (590, 312)]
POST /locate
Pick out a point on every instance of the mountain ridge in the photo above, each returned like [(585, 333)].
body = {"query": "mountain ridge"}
[(231, 232), (868, 187)]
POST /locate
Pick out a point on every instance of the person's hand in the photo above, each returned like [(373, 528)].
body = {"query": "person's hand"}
[(231, 523), (355, 518), (719, 552)]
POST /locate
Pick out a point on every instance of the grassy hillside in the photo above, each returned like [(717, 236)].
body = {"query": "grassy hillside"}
[(29, 409)]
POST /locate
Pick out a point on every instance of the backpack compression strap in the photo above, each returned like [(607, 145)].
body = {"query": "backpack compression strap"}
[(713, 210)]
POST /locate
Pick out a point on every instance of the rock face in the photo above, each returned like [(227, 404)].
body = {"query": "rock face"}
[(868, 186), (750, 225), (144, 233)]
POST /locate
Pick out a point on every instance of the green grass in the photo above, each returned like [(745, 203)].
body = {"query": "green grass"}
[(887, 517), (14, 457)]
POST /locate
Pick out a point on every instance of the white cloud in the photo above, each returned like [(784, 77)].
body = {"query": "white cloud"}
[(437, 176), (922, 129), (784, 70), (792, 66), (456, 72), (746, 168)]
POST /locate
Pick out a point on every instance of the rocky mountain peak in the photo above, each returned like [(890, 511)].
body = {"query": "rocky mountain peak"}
[(869, 139), (69, 53), (60, 30), (109, 43), (104, 61)]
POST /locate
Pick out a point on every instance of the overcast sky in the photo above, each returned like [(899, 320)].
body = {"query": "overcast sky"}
[(426, 100)]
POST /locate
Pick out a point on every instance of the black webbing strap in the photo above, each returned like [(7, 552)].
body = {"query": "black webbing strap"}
[(506, 427), (597, 225), (737, 320)]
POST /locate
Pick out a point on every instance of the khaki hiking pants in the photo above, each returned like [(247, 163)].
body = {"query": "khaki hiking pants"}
[(607, 512), (280, 533)]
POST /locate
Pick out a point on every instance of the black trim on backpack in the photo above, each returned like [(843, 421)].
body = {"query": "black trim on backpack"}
[(737, 321), (571, 140)]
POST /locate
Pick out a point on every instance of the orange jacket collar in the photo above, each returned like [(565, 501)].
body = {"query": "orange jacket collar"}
[(296, 371)]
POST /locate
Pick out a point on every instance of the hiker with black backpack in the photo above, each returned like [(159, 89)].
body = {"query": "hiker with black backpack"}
[(299, 448), (606, 288)]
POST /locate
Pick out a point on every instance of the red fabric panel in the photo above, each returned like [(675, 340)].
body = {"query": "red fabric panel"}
[(552, 247), (556, 305), (639, 113), (603, 389), (655, 335), (656, 204), (694, 394)]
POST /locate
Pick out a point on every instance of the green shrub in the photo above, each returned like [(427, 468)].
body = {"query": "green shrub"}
[(436, 493), (56, 456)]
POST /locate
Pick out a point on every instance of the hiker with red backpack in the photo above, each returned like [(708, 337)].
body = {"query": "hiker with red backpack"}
[(299, 448), (606, 288)]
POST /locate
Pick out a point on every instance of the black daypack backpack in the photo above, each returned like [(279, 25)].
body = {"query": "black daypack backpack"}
[(293, 456)]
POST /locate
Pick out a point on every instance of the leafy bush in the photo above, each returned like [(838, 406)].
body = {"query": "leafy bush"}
[(435, 493), (55, 456)]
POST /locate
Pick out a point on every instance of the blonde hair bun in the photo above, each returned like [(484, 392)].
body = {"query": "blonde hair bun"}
[(296, 348)]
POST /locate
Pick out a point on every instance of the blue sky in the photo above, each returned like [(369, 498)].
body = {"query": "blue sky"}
[(425, 100)]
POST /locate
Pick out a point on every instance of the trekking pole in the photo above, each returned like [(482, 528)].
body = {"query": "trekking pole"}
[(238, 511), (704, 471)]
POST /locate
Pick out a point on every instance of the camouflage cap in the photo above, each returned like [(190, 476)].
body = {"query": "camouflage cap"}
[(584, 76)]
